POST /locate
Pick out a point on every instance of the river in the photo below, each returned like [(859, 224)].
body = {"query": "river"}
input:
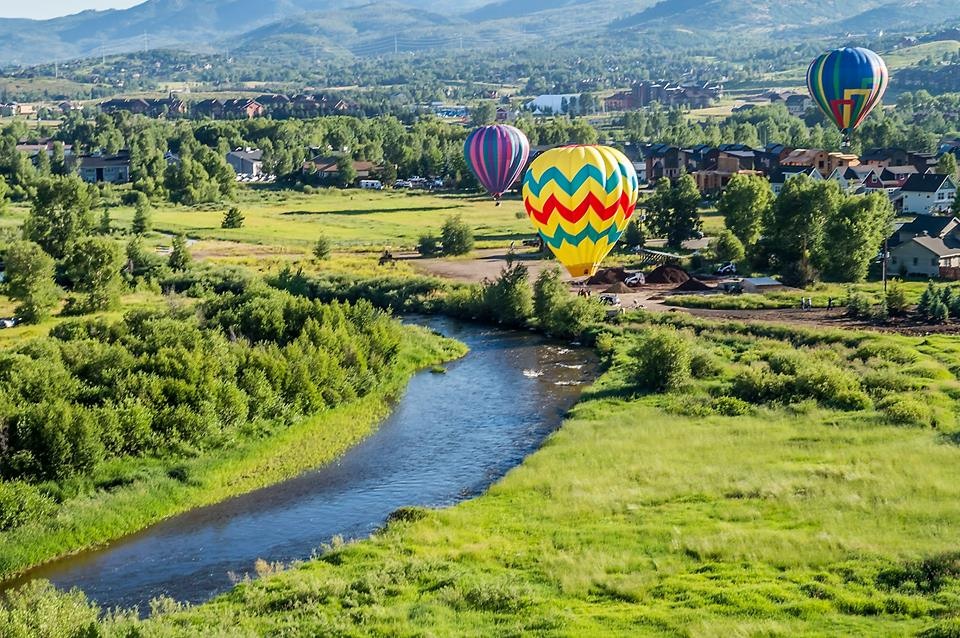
[(449, 437)]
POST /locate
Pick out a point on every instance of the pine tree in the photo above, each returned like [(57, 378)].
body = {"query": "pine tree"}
[(104, 226), (142, 222), (180, 255), (927, 300), (232, 219)]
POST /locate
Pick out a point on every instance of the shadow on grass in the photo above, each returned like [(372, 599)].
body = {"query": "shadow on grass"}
[(368, 211)]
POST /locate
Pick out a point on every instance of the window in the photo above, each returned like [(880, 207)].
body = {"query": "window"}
[(933, 262), (893, 260), (915, 261), (941, 195)]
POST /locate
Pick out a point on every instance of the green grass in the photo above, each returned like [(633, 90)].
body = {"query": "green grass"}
[(911, 56), (655, 515), (351, 219), (151, 489), (820, 294)]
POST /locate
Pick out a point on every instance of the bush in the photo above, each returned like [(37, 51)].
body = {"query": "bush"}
[(704, 364), (896, 298), (509, 300), (322, 248), (730, 406), (904, 410), (456, 236), (939, 313), (726, 247), (21, 502), (428, 245), (858, 305), (662, 360), (232, 219)]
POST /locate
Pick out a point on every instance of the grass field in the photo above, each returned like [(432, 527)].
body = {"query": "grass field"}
[(820, 294), (911, 56), (655, 514), (352, 219)]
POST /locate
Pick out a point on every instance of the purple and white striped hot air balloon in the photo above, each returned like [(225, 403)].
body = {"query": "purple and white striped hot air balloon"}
[(497, 155)]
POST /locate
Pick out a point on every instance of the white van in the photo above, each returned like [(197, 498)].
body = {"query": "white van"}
[(371, 184)]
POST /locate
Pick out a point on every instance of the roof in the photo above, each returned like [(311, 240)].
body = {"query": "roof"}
[(881, 154), (102, 161), (927, 183), (252, 154), (761, 281), (929, 225), (937, 245), (802, 156), (783, 173), (329, 165), (906, 169)]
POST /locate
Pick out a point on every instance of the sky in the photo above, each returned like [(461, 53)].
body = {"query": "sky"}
[(52, 8)]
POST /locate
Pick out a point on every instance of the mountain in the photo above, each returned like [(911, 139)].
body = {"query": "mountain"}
[(362, 27), (193, 24)]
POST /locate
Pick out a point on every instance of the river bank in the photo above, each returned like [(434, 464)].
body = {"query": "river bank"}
[(165, 488)]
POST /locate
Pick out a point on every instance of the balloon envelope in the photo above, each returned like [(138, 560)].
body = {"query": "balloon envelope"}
[(579, 199), (847, 84), (497, 155)]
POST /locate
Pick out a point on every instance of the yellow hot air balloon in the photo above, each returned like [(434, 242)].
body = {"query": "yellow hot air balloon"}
[(579, 199)]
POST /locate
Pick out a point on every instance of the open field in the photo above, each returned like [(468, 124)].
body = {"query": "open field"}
[(806, 514), (352, 219), (911, 56)]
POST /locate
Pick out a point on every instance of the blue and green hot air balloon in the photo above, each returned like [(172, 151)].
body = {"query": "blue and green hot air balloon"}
[(847, 84)]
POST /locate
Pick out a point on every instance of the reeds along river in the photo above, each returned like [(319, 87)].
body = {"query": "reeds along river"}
[(449, 438)]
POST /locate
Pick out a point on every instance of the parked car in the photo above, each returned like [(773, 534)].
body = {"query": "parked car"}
[(609, 299), (636, 279), (535, 242), (8, 322)]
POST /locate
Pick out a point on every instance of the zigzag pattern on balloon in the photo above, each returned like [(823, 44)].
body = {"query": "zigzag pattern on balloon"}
[(612, 234), (570, 186), (590, 203)]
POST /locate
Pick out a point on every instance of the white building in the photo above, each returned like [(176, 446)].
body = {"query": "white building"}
[(552, 103), (928, 194)]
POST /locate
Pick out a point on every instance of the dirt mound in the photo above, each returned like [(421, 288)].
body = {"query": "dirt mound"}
[(693, 285), (619, 288), (668, 275), (608, 276)]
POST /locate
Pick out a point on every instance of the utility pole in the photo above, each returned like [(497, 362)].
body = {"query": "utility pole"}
[(396, 46), (886, 254)]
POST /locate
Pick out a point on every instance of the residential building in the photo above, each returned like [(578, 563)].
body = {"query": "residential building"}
[(663, 160), (798, 104), (728, 164), (97, 168), (246, 161), (884, 157), (325, 167), (929, 246), (785, 173), (642, 94), (824, 161), (927, 194)]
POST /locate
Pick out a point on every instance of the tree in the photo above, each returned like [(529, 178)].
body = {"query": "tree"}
[(346, 173), (483, 113), (662, 361), (456, 236), (104, 226), (744, 205), (4, 189), (794, 231), (29, 280), (142, 222), (853, 233), (509, 299), (726, 247), (180, 257), (633, 236), (947, 165), (60, 214), (232, 219), (896, 298), (684, 221), (322, 248), (428, 245), (94, 267)]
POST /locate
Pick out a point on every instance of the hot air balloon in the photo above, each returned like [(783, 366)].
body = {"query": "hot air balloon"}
[(847, 84), (497, 155), (579, 199)]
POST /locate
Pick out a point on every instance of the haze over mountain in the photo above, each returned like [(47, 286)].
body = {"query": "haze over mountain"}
[(359, 27)]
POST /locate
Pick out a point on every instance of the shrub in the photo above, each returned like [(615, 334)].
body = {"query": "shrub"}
[(939, 313), (704, 364), (456, 236), (322, 248), (730, 406), (879, 382), (905, 410), (896, 298), (509, 300), (428, 245), (232, 219), (858, 305), (885, 351), (726, 247), (21, 502), (662, 360)]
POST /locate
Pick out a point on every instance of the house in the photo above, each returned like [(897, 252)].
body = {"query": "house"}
[(780, 176), (208, 108), (728, 164), (663, 160), (97, 168), (927, 194), (325, 167), (884, 157), (798, 104), (863, 179), (929, 246), (896, 176), (761, 285), (167, 107), (246, 161), (823, 161), (620, 101), (243, 109)]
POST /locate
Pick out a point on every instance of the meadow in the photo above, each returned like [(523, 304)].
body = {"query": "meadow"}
[(796, 483), (820, 294), (352, 219)]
